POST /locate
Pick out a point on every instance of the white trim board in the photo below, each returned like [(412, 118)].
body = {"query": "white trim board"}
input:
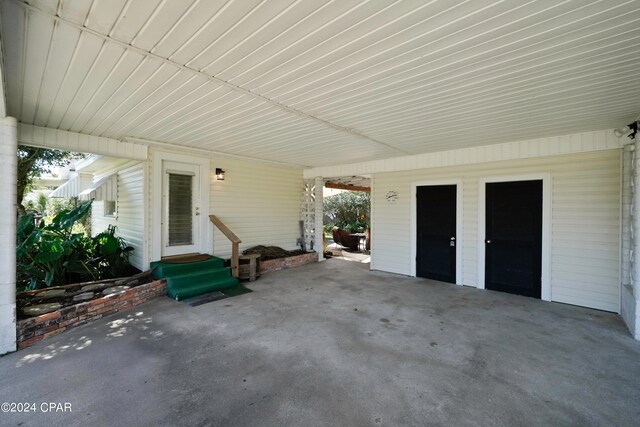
[(546, 226), (39, 136), (534, 148), (158, 157), (459, 218)]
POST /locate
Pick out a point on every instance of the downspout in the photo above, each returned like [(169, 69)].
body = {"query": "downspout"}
[(319, 217), (627, 207), (8, 214), (634, 241)]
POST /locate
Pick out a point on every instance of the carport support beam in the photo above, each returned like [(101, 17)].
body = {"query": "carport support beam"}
[(8, 212), (319, 217)]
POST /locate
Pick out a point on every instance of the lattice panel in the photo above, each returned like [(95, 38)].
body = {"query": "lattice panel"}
[(308, 213)]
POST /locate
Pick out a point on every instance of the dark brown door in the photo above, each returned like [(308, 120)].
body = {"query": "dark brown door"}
[(436, 227), (513, 243)]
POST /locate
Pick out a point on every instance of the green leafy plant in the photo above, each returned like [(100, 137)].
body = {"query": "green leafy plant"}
[(54, 254), (111, 254)]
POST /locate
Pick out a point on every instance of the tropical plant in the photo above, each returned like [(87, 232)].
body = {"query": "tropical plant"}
[(348, 210), (52, 254), (110, 254)]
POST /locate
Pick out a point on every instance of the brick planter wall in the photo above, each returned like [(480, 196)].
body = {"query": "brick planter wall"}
[(289, 262), (34, 329)]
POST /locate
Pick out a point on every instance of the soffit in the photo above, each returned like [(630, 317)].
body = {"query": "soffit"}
[(317, 83)]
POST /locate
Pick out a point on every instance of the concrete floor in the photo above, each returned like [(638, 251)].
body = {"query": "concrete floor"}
[(332, 344), (339, 253)]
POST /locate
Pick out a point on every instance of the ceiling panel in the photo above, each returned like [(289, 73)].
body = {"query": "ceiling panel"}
[(88, 50), (322, 82), (75, 10), (162, 22), (63, 47), (104, 14), (14, 34), (430, 65), (39, 34), (133, 17)]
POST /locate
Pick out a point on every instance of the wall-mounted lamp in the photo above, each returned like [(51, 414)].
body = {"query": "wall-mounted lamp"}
[(630, 130), (219, 174)]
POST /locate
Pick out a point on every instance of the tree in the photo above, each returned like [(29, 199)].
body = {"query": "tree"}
[(348, 210), (42, 202), (34, 162)]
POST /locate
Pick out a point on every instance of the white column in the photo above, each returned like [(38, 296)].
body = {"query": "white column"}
[(8, 177), (319, 216)]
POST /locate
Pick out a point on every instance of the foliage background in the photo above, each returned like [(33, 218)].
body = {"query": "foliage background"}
[(349, 210), (34, 162)]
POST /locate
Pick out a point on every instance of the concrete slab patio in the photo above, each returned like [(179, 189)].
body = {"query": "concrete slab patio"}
[(334, 344)]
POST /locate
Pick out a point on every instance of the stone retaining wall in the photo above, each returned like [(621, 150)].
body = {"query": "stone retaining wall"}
[(288, 262), (34, 329)]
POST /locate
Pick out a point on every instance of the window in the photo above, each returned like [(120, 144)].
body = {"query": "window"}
[(180, 208), (110, 208)]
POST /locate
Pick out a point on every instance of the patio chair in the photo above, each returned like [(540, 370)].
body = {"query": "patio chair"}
[(346, 240)]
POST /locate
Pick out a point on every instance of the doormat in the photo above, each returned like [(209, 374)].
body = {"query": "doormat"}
[(204, 298), (216, 295), (235, 291), (184, 259)]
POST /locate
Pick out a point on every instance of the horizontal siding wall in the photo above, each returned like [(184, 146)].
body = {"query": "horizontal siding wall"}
[(585, 226), (260, 203), (130, 213)]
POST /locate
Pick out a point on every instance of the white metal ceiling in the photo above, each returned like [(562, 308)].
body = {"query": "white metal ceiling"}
[(315, 83)]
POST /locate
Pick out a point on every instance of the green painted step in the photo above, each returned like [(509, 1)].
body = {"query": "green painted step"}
[(206, 276), (193, 289), (191, 279), (165, 269)]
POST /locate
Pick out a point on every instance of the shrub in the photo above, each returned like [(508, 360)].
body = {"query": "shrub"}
[(53, 254), (348, 210)]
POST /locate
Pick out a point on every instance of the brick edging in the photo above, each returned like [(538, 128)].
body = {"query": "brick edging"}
[(288, 262), (32, 330)]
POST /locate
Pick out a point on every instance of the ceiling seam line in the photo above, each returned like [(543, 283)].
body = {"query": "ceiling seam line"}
[(212, 78)]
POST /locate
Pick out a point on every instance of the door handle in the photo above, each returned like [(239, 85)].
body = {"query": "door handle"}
[(488, 241), (197, 211)]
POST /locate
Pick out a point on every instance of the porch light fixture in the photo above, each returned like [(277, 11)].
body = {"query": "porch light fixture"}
[(630, 130), (219, 174)]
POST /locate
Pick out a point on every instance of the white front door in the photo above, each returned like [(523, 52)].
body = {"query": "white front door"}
[(180, 208)]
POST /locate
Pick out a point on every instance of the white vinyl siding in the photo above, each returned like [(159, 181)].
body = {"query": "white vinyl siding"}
[(260, 203), (129, 213), (585, 225)]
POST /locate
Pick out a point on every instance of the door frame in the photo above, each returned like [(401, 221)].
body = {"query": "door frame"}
[(206, 242), (545, 177), (414, 220)]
